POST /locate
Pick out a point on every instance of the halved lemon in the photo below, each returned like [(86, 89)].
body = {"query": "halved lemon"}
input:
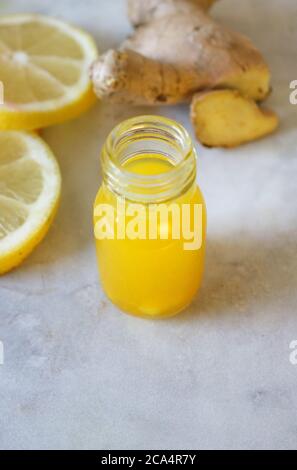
[(30, 187), (44, 70)]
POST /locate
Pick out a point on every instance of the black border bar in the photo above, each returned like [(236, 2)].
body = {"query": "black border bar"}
[(146, 458)]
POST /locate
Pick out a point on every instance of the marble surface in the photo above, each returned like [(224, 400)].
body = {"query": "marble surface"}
[(78, 374)]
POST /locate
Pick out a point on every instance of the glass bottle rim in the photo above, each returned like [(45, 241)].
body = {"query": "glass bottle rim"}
[(156, 132)]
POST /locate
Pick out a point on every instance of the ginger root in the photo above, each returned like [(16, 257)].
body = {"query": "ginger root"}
[(177, 50), (140, 13), (224, 118)]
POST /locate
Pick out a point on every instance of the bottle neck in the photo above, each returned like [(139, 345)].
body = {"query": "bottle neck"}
[(154, 139)]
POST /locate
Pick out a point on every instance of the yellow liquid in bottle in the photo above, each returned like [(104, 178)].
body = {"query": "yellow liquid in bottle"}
[(150, 278), (148, 165)]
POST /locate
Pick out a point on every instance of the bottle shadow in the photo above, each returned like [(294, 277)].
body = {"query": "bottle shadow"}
[(241, 270)]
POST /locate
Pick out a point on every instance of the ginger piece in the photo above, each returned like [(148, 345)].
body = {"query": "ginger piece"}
[(130, 78), (140, 12), (176, 50), (224, 118)]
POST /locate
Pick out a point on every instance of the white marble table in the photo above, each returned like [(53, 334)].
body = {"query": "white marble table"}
[(80, 374)]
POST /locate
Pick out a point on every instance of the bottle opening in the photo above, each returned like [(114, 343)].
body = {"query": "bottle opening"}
[(148, 159)]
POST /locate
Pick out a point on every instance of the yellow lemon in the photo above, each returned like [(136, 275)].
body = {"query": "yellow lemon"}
[(44, 70), (30, 187)]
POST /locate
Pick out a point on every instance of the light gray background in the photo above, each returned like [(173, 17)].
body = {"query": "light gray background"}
[(80, 374)]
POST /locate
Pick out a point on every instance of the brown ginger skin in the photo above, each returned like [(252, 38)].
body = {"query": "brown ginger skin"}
[(176, 50), (140, 12), (179, 53)]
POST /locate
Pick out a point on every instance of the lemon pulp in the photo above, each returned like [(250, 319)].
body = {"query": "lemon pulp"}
[(30, 186)]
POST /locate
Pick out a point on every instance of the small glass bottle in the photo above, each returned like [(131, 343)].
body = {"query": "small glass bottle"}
[(150, 218)]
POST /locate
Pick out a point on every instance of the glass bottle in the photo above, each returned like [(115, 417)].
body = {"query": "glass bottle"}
[(150, 218)]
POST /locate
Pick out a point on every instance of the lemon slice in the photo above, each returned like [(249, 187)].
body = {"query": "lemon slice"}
[(44, 70), (30, 186)]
